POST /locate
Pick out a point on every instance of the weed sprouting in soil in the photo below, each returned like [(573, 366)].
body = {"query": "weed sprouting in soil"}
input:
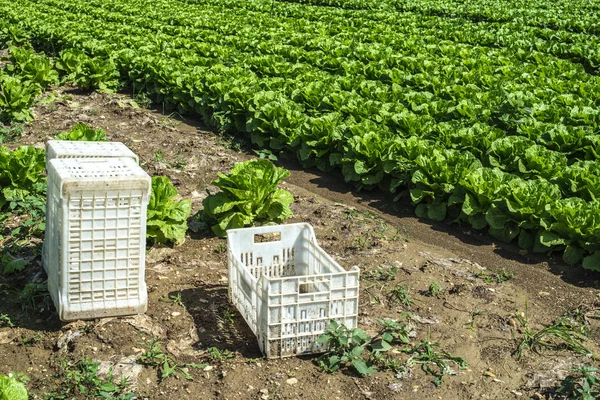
[(563, 334), (81, 380), (401, 294), (216, 354), (221, 248), (365, 355), (433, 359), (5, 320), (176, 299), (32, 295), (581, 384), (10, 133), (383, 273), (495, 277), (155, 357), (435, 289)]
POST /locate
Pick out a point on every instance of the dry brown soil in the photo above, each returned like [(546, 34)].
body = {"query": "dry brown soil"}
[(472, 318)]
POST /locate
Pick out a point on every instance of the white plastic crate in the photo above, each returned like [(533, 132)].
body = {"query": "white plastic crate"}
[(79, 149), (96, 236), (289, 289)]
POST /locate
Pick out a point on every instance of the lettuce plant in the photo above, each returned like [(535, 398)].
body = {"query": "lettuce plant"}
[(83, 132), (167, 218), (248, 196), (12, 389), (16, 98), (21, 173)]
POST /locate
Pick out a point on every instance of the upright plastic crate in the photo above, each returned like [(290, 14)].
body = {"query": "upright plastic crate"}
[(80, 149), (289, 289), (95, 237), (77, 149)]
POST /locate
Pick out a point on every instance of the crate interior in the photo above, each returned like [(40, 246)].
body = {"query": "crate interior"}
[(300, 256)]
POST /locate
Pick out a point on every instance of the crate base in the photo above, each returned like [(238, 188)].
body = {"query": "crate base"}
[(107, 311)]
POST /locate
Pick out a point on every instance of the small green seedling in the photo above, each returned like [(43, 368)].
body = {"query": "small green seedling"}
[(218, 354), (471, 322), (435, 289), (582, 384), (221, 248), (401, 294), (229, 316), (5, 320), (155, 357), (434, 360), (495, 277), (31, 295), (81, 380), (176, 299), (383, 273)]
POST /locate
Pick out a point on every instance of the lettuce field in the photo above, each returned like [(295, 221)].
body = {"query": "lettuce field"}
[(486, 113)]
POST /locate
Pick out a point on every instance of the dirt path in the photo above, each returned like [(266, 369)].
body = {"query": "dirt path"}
[(188, 313)]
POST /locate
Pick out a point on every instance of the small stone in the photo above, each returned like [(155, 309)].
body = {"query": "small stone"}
[(395, 387), (291, 381), (208, 368), (175, 313), (264, 391), (543, 294)]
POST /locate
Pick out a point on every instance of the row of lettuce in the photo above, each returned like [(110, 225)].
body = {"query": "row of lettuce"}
[(566, 15), (496, 149)]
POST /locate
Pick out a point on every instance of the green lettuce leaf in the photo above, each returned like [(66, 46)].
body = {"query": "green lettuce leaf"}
[(166, 218), (249, 196), (12, 389)]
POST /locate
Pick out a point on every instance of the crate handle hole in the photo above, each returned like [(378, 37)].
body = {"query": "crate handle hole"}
[(307, 288), (267, 237)]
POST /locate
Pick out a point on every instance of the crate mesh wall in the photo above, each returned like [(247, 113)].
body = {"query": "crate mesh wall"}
[(83, 150), (288, 290), (95, 237)]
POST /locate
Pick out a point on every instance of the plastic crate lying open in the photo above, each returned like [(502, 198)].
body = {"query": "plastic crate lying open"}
[(82, 149), (95, 237), (288, 288)]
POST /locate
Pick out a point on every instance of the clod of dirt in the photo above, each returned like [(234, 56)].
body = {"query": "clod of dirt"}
[(548, 373), (482, 292), (7, 336), (66, 341), (395, 387), (182, 347), (145, 324), (291, 381), (125, 367)]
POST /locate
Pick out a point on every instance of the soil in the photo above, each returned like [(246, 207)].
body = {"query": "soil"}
[(474, 318)]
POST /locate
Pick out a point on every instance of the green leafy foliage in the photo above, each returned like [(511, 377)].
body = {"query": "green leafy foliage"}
[(12, 389), (155, 357), (346, 347), (12, 264), (88, 73), (167, 218), (581, 384), (37, 69), (16, 99), (81, 380), (248, 196), (21, 174), (83, 132), (355, 350), (485, 128)]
